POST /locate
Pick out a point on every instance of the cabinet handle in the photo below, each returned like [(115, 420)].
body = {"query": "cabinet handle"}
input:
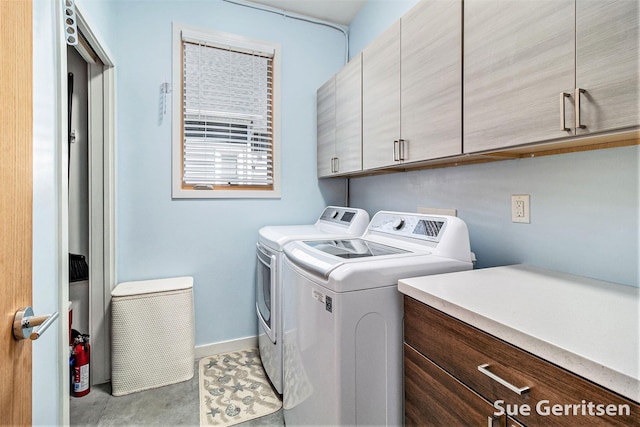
[(563, 125), (577, 96), (484, 369), (337, 165), (398, 150), (334, 165)]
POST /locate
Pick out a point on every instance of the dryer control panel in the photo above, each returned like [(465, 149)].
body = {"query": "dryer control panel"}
[(339, 215)]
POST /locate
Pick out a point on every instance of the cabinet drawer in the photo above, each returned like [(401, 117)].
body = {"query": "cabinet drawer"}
[(459, 349), (433, 397)]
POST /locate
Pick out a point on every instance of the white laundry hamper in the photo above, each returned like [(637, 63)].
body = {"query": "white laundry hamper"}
[(152, 334)]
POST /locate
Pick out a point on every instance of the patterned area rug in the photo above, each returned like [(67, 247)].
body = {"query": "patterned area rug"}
[(234, 388)]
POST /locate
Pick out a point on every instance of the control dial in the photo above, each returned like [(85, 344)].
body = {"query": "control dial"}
[(334, 214), (398, 223)]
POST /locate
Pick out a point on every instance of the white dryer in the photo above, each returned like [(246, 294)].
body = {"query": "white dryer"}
[(343, 316), (334, 223)]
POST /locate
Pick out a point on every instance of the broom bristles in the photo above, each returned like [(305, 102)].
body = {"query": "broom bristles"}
[(78, 268)]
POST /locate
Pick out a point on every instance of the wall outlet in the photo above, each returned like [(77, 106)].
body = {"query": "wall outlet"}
[(520, 208)]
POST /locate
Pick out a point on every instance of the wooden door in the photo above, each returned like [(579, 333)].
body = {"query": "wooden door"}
[(326, 127), (518, 59), (607, 64), (431, 80), (15, 205), (349, 116), (381, 99)]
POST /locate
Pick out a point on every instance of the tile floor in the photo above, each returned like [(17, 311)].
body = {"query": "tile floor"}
[(174, 405)]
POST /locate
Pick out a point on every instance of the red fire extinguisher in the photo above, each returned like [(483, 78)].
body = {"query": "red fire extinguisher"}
[(80, 384)]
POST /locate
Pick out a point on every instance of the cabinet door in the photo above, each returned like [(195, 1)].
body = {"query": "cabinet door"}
[(518, 59), (326, 137), (349, 116), (381, 99), (607, 64), (433, 397), (431, 80)]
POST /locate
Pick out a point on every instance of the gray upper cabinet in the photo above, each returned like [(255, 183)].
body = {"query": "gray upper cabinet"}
[(537, 71), (412, 87), (381, 100), (464, 81), (326, 127), (349, 117), (431, 80), (339, 132), (518, 60), (607, 64)]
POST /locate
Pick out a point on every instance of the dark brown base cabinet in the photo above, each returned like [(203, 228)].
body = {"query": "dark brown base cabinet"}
[(444, 387), (433, 397)]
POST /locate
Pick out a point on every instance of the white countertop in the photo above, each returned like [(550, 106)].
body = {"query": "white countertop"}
[(584, 325)]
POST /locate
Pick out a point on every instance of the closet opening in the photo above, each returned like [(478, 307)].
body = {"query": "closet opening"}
[(90, 219)]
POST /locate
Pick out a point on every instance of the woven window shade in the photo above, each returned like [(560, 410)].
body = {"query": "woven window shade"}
[(227, 116)]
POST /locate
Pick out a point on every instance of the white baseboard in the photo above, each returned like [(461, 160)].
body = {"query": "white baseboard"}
[(225, 346)]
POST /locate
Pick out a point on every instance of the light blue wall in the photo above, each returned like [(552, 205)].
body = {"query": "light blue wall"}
[(212, 240), (374, 17), (584, 206), (101, 18), (584, 209), (45, 391)]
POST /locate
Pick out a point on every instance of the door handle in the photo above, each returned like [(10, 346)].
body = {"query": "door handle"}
[(24, 321)]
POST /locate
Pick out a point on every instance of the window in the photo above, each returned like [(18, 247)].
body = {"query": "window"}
[(225, 111)]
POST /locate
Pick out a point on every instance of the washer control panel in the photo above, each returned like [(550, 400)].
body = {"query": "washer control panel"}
[(417, 226)]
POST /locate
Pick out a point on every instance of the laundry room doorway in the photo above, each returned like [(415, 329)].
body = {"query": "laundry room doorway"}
[(90, 239)]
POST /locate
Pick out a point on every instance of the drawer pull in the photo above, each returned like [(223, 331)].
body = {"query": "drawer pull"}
[(484, 369)]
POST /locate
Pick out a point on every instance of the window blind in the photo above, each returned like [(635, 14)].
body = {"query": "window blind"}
[(227, 117)]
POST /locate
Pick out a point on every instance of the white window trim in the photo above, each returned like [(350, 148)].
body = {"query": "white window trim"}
[(241, 42)]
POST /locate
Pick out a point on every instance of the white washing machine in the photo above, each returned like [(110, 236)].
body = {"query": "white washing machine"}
[(343, 316), (334, 222)]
